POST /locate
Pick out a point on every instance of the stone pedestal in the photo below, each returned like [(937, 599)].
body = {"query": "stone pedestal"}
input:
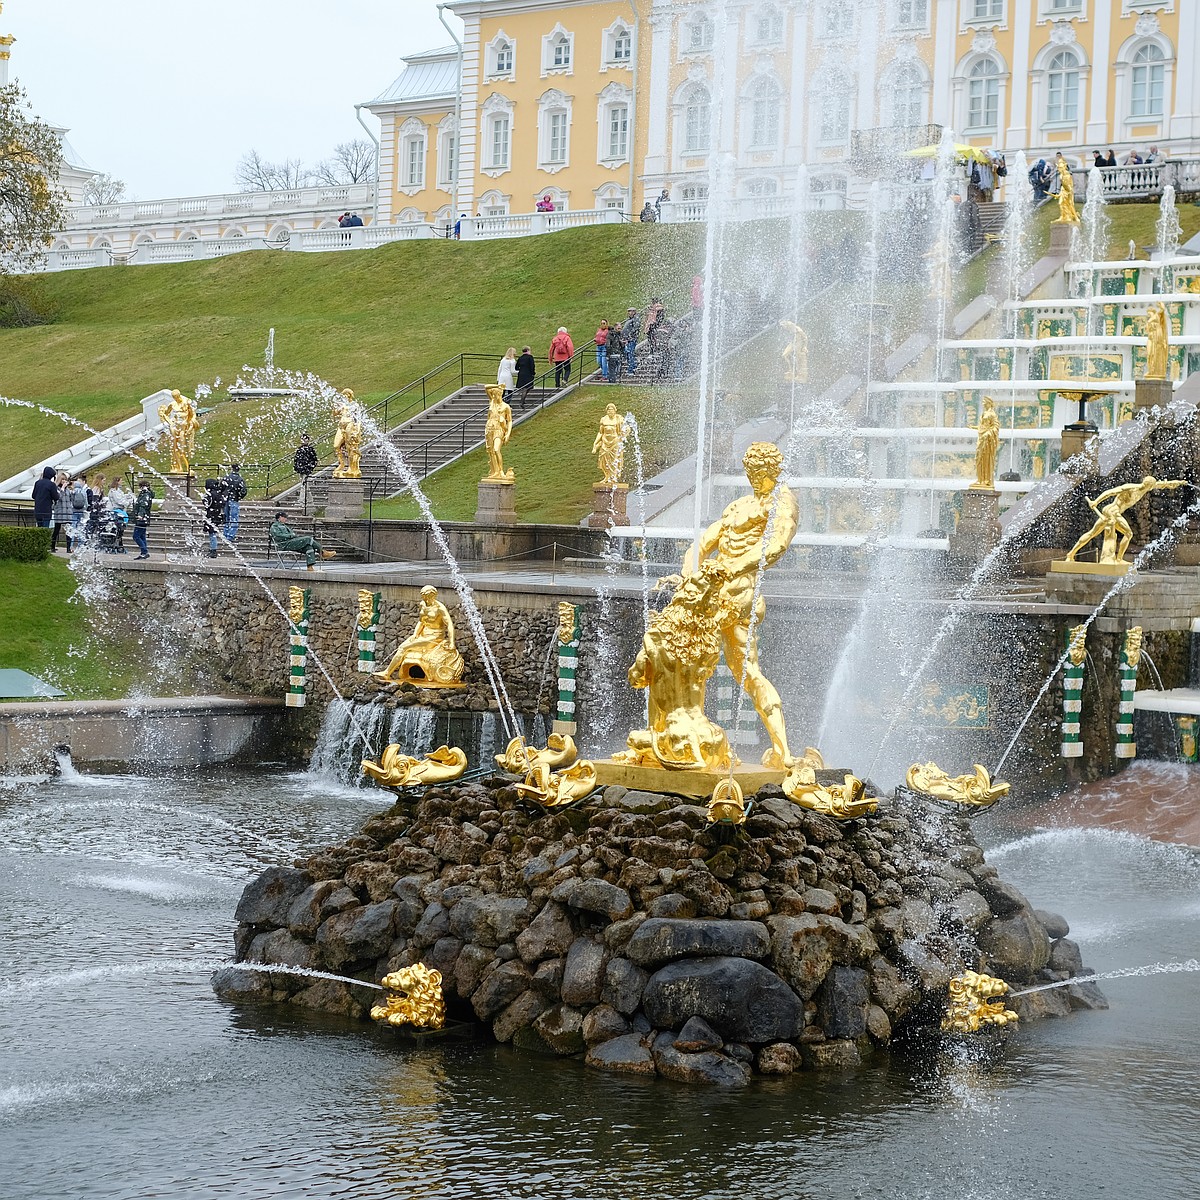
[(344, 499), (1060, 238), (175, 488), (497, 502), (1081, 437), (1152, 393), (978, 531), (608, 506)]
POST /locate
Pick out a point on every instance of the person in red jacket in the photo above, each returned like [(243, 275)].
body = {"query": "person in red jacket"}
[(562, 350)]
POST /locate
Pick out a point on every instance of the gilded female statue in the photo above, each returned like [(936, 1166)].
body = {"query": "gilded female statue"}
[(179, 416), (496, 433), (986, 447), (1067, 213), (610, 446), (427, 657), (795, 354), (1156, 325)]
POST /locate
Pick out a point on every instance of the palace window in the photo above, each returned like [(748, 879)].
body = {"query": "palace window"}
[(983, 95), (618, 132), (837, 19), (910, 14), (904, 97), (554, 130), (1147, 82), (985, 10), (558, 52), (834, 100), (764, 99), (762, 187), (700, 35), (697, 114), (619, 45), (1062, 84), (499, 141), (768, 27), (503, 58), (447, 152), (412, 158)]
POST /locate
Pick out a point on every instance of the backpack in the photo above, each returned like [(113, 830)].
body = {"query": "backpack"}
[(78, 499), (235, 485)]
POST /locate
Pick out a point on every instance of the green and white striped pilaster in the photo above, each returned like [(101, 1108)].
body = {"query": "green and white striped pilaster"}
[(298, 599), (1131, 654), (1072, 738), (568, 662), (368, 629)]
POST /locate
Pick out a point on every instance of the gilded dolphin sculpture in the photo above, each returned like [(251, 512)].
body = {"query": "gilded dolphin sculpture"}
[(520, 759), (402, 770), (976, 791), (556, 790), (844, 801)]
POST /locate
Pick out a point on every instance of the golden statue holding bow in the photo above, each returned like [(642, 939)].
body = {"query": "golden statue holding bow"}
[(180, 417)]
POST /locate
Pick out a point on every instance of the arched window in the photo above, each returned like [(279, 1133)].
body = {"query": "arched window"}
[(1147, 81), (554, 130), (697, 113), (558, 52), (983, 95), (612, 124), (904, 96), (503, 62), (619, 44), (561, 52), (763, 98), (496, 147), (412, 154), (447, 151), (1062, 87)]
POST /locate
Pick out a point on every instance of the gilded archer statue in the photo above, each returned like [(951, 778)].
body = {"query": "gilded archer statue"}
[(986, 447), (347, 440), (180, 417), (1156, 325), (427, 657), (1067, 213), (496, 433), (752, 533), (1110, 507), (610, 446)]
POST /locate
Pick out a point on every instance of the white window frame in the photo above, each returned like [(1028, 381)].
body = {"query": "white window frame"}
[(1149, 66), (1053, 10), (412, 145), (758, 188), (833, 109), (766, 27), (986, 79), (559, 42), (762, 119), (447, 138), (496, 109), (616, 34), (1063, 118), (493, 204), (492, 57), (613, 97), (561, 198), (910, 15), (906, 72), (835, 20), (995, 12), (554, 113), (611, 195), (698, 35), (690, 147)]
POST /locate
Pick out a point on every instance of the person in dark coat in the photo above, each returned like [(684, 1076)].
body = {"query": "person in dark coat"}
[(526, 374), (305, 461), (142, 506), (45, 497), (214, 512)]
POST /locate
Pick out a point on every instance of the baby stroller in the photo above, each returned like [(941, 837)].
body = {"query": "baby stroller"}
[(112, 524)]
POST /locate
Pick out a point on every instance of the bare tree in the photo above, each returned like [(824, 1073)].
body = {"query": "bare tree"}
[(31, 202), (254, 173), (351, 162), (103, 189)]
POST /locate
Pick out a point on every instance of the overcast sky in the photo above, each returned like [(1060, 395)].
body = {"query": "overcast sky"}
[(168, 96)]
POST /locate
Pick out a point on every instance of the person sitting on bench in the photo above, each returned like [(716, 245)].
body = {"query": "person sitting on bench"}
[(282, 538)]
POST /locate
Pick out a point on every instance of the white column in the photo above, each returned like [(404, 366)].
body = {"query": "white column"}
[(1096, 132), (725, 77), (658, 112), (1017, 133), (945, 26), (468, 153), (1185, 114), (797, 132)]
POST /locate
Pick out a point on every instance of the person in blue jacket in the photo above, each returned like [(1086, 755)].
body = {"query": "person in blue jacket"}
[(45, 496)]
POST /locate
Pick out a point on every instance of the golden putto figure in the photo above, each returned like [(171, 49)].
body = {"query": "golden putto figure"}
[(987, 445), (1156, 325), (754, 530), (1111, 525), (610, 446), (347, 440), (977, 791), (398, 770), (180, 417), (795, 354), (496, 433), (1067, 213), (427, 657)]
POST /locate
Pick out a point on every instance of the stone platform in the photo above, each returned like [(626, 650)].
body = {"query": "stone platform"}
[(697, 785)]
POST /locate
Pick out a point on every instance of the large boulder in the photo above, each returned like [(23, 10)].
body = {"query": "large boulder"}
[(549, 935), (842, 1002), (661, 940), (803, 948), (740, 998), (489, 920), (356, 934), (623, 985), (520, 1014), (500, 986), (627, 1054), (268, 899), (280, 946), (583, 974), (594, 896), (1016, 947), (316, 902), (561, 1028), (705, 1067)]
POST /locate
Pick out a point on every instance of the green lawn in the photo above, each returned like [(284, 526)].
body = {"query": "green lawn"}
[(68, 644)]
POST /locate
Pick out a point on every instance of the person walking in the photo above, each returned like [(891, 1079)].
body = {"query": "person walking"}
[(235, 493), (602, 350), (214, 512), (143, 505), (562, 350), (506, 373), (631, 331), (526, 373), (79, 508), (616, 352), (45, 496), (62, 512), (284, 538)]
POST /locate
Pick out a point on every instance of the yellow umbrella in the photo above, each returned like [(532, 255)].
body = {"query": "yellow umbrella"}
[(960, 151)]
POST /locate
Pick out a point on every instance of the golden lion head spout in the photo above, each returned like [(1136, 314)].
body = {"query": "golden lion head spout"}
[(413, 996), (975, 1003)]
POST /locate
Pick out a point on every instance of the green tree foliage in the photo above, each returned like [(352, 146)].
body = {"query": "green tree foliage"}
[(31, 202)]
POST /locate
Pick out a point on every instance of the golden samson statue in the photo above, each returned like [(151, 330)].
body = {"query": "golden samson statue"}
[(427, 657)]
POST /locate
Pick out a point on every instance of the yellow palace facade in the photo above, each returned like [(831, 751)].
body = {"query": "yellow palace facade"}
[(604, 103)]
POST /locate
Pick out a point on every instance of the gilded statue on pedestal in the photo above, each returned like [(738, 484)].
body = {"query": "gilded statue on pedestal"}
[(1067, 213), (347, 440), (987, 446), (795, 354), (754, 531), (180, 418), (496, 433), (610, 446), (1110, 523), (679, 653), (427, 657), (1156, 324), (403, 770), (977, 791)]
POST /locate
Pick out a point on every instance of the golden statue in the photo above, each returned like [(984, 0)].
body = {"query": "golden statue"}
[(566, 622), (728, 805), (180, 418), (366, 608), (1156, 326), (795, 354), (427, 657), (295, 605), (496, 433), (1131, 652), (1110, 521), (412, 996), (975, 791), (519, 759), (974, 1003), (679, 653), (986, 447), (347, 441), (402, 770), (844, 801), (1067, 214), (1077, 645), (557, 790), (753, 532), (610, 446)]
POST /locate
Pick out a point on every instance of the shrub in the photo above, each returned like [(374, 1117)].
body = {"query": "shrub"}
[(25, 545), (22, 305)]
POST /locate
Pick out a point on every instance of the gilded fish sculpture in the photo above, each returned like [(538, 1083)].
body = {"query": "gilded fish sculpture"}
[(976, 791), (402, 770), (520, 759), (412, 996), (844, 802), (558, 789), (728, 805)]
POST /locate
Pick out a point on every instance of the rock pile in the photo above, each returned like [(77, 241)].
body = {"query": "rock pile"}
[(630, 932)]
